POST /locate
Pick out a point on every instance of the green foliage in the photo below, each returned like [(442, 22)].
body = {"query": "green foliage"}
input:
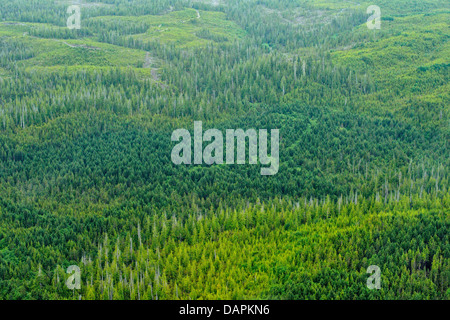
[(86, 178)]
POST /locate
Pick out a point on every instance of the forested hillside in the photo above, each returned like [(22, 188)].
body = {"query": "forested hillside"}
[(86, 177)]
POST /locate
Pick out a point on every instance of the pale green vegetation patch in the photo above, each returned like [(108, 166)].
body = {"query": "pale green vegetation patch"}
[(4, 72), (401, 49), (82, 53), (408, 62), (183, 28)]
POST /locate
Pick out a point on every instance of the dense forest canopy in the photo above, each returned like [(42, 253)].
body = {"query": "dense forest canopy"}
[(86, 178)]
